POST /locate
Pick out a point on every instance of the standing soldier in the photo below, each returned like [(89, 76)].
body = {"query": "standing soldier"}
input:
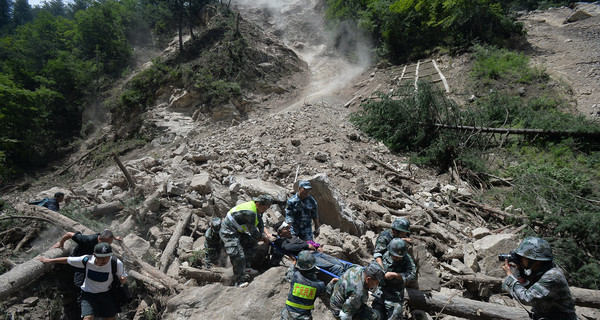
[(399, 268), (213, 244), (545, 288), (240, 231), (351, 292), (400, 229), (304, 288), (301, 208)]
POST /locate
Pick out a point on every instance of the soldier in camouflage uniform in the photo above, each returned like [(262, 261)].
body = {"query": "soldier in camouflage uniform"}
[(213, 244), (304, 288), (300, 209), (399, 268), (351, 292), (400, 229), (545, 288), (240, 232)]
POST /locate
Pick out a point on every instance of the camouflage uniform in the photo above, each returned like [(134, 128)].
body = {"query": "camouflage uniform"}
[(299, 215), (213, 246), (241, 245), (389, 298), (350, 295), (304, 290), (547, 290), (382, 242)]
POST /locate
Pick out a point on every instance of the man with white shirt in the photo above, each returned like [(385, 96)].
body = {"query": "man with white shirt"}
[(96, 298)]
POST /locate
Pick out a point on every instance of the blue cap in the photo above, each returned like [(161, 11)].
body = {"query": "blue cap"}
[(304, 184)]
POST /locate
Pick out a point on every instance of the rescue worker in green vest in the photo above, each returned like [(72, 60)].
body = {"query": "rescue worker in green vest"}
[(399, 268), (538, 282), (304, 288), (241, 230)]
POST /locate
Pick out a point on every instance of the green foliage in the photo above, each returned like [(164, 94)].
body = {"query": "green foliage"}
[(501, 64), (409, 28), (141, 89), (76, 211), (554, 178)]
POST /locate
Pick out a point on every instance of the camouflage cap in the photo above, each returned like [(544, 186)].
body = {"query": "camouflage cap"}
[(306, 261), (397, 247), (304, 184), (264, 199), (215, 223), (535, 249), (374, 270), (401, 224)]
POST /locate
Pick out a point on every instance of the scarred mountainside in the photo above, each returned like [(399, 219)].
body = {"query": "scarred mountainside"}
[(289, 122)]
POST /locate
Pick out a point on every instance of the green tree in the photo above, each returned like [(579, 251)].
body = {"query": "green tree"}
[(55, 7), (102, 35), (22, 13), (5, 6)]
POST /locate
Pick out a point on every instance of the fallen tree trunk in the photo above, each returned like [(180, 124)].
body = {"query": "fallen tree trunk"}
[(212, 275), (105, 208), (130, 181), (152, 201), (167, 254), (25, 273), (582, 297), (462, 307)]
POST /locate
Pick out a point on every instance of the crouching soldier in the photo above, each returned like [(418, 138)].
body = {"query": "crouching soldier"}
[(539, 282), (399, 268), (304, 288), (96, 298), (351, 292)]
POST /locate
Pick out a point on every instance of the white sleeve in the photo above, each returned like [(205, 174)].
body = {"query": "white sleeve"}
[(76, 261)]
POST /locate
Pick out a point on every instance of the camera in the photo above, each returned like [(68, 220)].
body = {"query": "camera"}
[(511, 257)]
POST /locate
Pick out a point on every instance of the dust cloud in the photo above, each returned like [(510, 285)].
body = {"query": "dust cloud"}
[(335, 56)]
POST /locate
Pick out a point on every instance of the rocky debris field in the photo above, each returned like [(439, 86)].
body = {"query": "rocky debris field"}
[(360, 187), (178, 183)]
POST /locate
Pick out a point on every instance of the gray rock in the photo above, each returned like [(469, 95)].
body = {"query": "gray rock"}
[(138, 245), (470, 257), (321, 156), (481, 232), (488, 249), (201, 183), (175, 189)]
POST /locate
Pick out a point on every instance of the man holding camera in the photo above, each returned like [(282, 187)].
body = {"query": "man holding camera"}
[(540, 283)]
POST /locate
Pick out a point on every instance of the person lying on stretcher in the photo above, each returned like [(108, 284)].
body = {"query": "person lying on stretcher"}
[(286, 244)]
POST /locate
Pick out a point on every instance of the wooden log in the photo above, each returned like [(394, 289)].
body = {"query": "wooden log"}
[(125, 172), (462, 307), (151, 201), (582, 297), (586, 297), (105, 208), (393, 170), (147, 281), (211, 275), (167, 254), (23, 274)]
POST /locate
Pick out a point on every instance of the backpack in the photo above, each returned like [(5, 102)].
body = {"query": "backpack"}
[(40, 203), (119, 291)]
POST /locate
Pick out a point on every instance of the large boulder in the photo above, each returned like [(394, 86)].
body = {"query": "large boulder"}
[(488, 249), (264, 298), (332, 207)]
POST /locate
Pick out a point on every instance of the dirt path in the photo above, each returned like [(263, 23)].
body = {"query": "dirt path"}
[(570, 52)]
